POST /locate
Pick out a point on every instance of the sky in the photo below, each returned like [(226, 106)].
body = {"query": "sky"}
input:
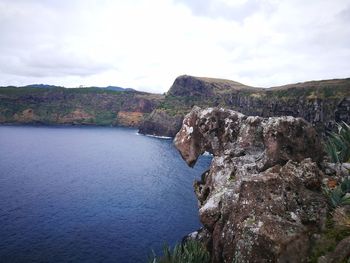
[(146, 44)]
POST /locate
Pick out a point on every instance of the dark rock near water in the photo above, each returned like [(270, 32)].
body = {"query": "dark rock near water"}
[(261, 199), (159, 123)]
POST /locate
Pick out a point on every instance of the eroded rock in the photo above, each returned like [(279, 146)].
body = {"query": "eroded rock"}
[(261, 200)]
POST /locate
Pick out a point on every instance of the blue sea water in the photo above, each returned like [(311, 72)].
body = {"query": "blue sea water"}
[(91, 194)]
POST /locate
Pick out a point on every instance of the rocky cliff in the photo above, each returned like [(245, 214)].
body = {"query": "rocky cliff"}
[(322, 103), (160, 123), (261, 199), (80, 106)]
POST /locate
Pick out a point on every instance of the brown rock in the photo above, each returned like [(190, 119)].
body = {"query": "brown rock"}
[(261, 199)]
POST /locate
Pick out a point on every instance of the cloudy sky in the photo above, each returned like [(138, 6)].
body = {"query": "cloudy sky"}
[(146, 44)]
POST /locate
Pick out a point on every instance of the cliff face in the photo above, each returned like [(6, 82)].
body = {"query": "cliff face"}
[(261, 199), (87, 106), (322, 103), (160, 123)]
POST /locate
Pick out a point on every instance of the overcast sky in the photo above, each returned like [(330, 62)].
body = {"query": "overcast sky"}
[(146, 44)]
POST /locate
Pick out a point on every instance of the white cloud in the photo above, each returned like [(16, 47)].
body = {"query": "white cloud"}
[(146, 44)]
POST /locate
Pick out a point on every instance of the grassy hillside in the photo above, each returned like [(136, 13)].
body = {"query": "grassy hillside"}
[(59, 105), (320, 102)]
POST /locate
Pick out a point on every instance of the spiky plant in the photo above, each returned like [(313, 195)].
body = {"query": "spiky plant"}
[(340, 217), (189, 252), (340, 195), (338, 144)]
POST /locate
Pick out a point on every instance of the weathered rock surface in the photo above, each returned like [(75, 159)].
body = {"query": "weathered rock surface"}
[(260, 201)]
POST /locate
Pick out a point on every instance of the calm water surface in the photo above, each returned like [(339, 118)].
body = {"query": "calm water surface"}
[(71, 194)]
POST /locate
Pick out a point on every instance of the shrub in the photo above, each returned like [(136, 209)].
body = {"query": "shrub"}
[(340, 195), (189, 252), (338, 144)]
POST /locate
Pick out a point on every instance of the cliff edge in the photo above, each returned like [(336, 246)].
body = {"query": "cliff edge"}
[(261, 199), (322, 103)]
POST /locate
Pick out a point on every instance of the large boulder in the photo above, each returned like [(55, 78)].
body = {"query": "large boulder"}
[(260, 201)]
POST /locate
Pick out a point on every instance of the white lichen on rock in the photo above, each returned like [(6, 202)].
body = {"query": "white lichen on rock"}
[(258, 166)]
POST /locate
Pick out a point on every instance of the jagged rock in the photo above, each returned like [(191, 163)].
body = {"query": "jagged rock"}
[(202, 235), (261, 200)]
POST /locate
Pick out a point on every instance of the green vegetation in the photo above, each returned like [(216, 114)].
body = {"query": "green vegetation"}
[(329, 239), (338, 221), (189, 252), (97, 106), (83, 106), (340, 195), (338, 144)]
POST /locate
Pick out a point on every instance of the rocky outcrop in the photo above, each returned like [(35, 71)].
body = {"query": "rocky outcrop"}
[(261, 199), (160, 123)]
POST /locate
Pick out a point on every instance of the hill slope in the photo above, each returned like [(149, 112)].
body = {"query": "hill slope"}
[(81, 106), (320, 102)]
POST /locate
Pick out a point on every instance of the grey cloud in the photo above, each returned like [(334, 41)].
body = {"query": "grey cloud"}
[(55, 41), (34, 45), (50, 63), (345, 14)]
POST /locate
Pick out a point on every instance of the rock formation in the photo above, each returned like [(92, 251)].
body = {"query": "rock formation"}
[(261, 199)]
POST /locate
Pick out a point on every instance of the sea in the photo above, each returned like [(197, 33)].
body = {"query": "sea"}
[(92, 194)]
